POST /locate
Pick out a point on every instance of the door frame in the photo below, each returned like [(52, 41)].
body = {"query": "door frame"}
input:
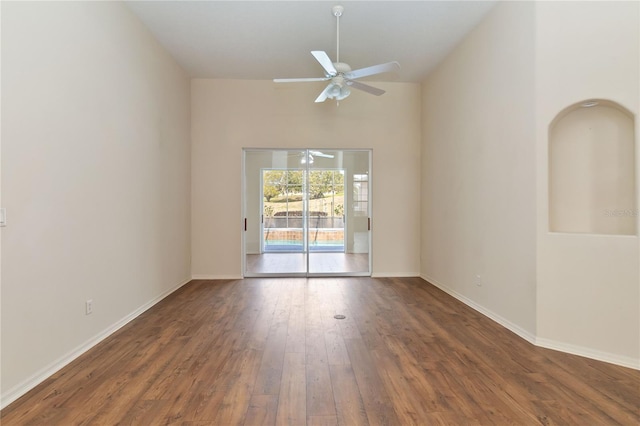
[(245, 273)]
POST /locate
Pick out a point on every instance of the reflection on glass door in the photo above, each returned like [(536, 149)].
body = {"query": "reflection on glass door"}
[(325, 227), (282, 209), (306, 212)]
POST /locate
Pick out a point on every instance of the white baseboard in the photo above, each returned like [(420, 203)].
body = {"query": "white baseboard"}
[(395, 274), (25, 386), (526, 335), (216, 277), (623, 361), (535, 340)]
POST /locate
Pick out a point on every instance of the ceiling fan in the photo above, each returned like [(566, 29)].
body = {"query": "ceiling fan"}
[(317, 154), (339, 73), (308, 156), (321, 154)]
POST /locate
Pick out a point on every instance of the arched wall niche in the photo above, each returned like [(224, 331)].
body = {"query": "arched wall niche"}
[(592, 169)]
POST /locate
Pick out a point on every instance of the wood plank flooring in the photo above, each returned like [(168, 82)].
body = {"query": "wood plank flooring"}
[(269, 352)]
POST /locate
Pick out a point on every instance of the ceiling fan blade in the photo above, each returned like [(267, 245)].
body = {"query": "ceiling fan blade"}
[(297, 80), (326, 63), (374, 69), (324, 94), (365, 87), (321, 154)]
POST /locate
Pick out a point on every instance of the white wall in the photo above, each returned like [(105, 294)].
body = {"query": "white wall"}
[(228, 115), (478, 176), (588, 285), (95, 179)]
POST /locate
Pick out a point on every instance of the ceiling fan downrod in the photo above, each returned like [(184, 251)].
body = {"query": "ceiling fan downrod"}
[(337, 11)]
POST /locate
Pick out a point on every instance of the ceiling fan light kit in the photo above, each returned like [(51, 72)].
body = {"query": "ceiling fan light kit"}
[(340, 75)]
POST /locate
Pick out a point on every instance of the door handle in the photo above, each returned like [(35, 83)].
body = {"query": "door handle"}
[(245, 224), (368, 224)]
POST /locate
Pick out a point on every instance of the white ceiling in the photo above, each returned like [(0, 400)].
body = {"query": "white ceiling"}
[(272, 39)]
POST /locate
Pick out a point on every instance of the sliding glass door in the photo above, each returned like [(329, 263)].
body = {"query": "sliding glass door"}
[(306, 212)]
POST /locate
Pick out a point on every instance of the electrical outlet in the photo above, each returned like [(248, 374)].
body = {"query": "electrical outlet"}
[(88, 307), (478, 281)]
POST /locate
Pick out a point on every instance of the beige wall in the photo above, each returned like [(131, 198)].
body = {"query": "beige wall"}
[(588, 285), (95, 179), (1, 205), (486, 116), (478, 176), (228, 115), (592, 183)]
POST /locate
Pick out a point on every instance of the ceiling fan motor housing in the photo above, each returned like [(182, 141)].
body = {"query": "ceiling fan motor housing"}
[(341, 67)]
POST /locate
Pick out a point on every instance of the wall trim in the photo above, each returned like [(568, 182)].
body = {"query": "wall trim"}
[(620, 360), (623, 361), (395, 274), (526, 335), (35, 379)]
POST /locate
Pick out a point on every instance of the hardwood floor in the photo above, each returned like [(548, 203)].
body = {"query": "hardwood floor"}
[(269, 351)]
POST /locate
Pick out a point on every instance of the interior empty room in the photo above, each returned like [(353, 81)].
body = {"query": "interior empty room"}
[(322, 213)]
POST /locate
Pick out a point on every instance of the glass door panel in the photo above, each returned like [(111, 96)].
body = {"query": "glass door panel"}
[(274, 206), (338, 220)]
